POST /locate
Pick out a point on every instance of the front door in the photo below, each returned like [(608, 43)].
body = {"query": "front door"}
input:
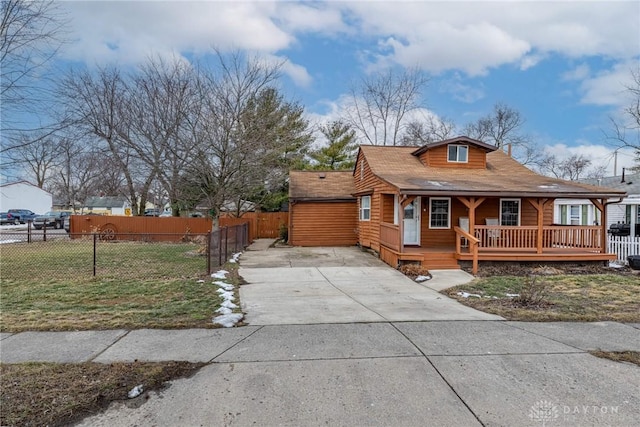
[(411, 223)]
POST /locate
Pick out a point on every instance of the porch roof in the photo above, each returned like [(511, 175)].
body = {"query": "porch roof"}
[(319, 185), (503, 177)]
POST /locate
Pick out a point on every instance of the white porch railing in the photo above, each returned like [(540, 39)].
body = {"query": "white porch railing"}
[(623, 246)]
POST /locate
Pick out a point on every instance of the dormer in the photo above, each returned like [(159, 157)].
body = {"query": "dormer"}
[(461, 152)]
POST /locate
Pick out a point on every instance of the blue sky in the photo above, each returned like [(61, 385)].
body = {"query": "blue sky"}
[(562, 64)]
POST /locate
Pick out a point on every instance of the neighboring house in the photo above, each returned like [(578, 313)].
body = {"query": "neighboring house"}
[(107, 205), (462, 200), (583, 212), (322, 209), (24, 195)]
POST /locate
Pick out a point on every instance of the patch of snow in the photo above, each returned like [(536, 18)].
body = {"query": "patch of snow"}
[(135, 392), (512, 295), (226, 295), (220, 274), (228, 320), (225, 286), (228, 304), (616, 264), (423, 278), (224, 310), (468, 295), (435, 183), (200, 281), (2, 242)]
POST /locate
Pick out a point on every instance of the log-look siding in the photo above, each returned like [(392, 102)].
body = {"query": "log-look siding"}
[(369, 231), (323, 224), (438, 157)]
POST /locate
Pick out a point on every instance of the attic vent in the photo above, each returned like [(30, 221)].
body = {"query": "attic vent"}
[(322, 175)]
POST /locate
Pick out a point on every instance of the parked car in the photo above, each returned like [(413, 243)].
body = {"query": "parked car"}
[(66, 223), (20, 216), (53, 219), (4, 219), (152, 212)]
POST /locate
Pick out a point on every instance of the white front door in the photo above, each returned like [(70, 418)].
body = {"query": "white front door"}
[(411, 222)]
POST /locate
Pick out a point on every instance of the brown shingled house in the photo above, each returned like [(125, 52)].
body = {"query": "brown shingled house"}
[(458, 200)]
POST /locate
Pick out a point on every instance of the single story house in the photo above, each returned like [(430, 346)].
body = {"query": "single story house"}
[(24, 195), (583, 212), (107, 205), (457, 200)]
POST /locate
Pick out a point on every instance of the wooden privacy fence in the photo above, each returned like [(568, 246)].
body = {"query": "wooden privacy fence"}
[(151, 228), (262, 225)]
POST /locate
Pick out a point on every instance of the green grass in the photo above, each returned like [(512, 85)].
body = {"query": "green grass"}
[(589, 297), (50, 286)]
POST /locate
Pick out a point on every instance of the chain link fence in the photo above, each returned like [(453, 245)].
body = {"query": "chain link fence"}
[(47, 255)]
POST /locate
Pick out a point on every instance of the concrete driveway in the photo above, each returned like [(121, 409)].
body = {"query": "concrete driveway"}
[(341, 285)]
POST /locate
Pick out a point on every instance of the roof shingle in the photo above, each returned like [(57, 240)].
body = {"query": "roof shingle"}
[(330, 185)]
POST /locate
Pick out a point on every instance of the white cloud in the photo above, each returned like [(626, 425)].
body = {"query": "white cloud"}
[(461, 91), (580, 72), (476, 36), (609, 87), (599, 155)]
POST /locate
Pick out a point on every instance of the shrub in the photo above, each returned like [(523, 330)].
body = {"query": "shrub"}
[(534, 292)]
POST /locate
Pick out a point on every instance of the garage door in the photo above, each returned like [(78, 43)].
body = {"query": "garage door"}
[(323, 224)]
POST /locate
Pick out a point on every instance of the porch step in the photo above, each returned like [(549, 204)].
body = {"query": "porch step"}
[(440, 261)]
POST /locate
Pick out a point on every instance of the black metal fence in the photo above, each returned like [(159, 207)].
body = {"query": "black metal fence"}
[(224, 242), (49, 254)]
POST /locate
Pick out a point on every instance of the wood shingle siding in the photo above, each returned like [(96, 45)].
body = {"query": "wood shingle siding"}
[(323, 224), (438, 158)]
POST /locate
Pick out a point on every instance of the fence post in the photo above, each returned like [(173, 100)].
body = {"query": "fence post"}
[(226, 245), (219, 246), (95, 240), (44, 232), (28, 231), (209, 254)]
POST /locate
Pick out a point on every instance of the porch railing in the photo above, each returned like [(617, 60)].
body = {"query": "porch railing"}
[(390, 235), (494, 237)]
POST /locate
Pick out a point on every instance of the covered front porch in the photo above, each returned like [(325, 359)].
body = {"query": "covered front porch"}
[(461, 228)]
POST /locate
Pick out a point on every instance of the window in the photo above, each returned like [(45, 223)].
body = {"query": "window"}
[(439, 212), (458, 153), (365, 208), (510, 212), (575, 215)]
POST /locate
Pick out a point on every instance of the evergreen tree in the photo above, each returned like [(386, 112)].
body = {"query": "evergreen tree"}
[(339, 154)]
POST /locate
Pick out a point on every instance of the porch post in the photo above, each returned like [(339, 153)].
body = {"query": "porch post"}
[(539, 205), (471, 204), (602, 207)]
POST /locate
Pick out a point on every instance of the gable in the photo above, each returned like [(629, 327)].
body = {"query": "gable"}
[(439, 157)]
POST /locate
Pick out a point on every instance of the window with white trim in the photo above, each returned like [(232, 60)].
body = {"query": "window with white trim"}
[(439, 212), (365, 208), (458, 153), (510, 212)]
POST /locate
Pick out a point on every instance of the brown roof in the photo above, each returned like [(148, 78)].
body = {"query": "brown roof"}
[(503, 176), (315, 185)]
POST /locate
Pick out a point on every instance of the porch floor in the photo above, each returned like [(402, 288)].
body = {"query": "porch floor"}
[(445, 257)]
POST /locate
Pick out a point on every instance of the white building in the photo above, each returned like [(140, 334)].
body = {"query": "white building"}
[(23, 195), (583, 212)]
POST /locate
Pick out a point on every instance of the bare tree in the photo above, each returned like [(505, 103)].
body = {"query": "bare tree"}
[(31, 34), (37, 158), (94, 105), (161, 96), (380, 105), (432, 129), (246, 135), (572, 168), (626, 131)]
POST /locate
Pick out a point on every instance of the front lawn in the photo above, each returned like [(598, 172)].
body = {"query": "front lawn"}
[(50, 286), (579, 298)]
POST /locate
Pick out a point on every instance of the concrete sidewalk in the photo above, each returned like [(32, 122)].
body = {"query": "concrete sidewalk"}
[(415, 373)]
